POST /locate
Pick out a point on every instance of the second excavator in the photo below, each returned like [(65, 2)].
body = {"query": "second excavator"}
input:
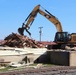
[(61, 38)]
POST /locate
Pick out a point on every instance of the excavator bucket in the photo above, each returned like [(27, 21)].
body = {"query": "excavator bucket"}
[(21, 31)]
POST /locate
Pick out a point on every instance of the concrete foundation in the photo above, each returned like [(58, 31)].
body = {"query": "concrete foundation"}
[(57, 57), (65, 58), (38, 55)]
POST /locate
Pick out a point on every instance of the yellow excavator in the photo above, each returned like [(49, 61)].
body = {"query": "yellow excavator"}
[(61, 38)]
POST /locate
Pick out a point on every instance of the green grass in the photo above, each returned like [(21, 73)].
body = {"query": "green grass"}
[(4, 69), (8, 68)]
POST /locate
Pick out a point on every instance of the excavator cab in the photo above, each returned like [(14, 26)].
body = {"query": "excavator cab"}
[(62, 37)]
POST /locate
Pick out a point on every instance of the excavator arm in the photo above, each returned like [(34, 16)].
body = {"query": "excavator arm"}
[(32, 16), (29, 20)]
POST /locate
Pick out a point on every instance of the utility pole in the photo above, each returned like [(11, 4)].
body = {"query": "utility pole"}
[(40, 32)]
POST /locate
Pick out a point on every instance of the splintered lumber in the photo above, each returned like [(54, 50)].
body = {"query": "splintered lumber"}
[(16, 40)]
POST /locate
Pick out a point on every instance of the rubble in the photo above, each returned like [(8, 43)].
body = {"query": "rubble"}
[(16, 40)]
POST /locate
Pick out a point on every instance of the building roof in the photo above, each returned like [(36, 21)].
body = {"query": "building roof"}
[(48, 43)]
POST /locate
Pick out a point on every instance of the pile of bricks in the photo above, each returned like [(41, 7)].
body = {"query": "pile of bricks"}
[(16, 40)]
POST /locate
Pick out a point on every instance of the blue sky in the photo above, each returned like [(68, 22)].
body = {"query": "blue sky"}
[(14, 12)]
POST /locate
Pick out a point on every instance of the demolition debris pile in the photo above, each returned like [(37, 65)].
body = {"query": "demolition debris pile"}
[(16, 40)]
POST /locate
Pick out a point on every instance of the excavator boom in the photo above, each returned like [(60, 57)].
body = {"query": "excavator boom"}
[(52, 19), (32, 16)]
